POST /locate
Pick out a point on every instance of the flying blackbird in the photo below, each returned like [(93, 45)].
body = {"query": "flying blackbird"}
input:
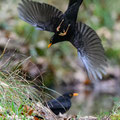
[(62, 104), (83, 38)]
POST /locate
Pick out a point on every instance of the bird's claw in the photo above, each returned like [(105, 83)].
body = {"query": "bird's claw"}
[(64, 32), (58, 28)]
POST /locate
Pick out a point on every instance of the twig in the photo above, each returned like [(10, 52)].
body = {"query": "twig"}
[(4, 49)]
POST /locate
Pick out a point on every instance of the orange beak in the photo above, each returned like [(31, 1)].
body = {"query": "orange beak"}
[(75, 94), (49, 45)]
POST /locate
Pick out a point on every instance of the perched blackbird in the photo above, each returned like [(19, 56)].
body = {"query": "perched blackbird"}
[(65, 28), (62, 104)]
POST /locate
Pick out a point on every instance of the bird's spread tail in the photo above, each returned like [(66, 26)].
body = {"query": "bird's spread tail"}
[(72, 11), (71, 2)]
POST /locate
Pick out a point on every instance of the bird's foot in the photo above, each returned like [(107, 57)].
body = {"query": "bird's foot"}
[(65, 32), (58, 28)]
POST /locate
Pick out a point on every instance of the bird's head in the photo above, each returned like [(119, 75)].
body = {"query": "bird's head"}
[(70, 95), (52, 41), (56, 38)]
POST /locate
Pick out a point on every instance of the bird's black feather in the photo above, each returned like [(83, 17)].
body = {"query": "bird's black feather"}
[(71, 2), (90, 50), (60, 105), (72, 11), (40, 15)]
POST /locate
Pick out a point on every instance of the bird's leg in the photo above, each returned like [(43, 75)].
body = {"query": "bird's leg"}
[(58, 28), (64, 32)]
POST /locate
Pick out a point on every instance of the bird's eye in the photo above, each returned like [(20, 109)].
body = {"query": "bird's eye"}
[(70, 95), (51, 41)]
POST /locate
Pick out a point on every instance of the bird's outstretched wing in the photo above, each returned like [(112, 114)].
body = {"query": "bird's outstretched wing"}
[(90, 51), (40, 15)]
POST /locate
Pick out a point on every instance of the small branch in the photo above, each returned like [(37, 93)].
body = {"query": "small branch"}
[(4, 49)]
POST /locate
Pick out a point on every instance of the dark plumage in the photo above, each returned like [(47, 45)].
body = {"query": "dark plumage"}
[(62, 104), (65, 28)]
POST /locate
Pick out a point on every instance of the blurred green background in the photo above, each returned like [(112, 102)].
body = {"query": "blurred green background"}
[(59, 65)]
